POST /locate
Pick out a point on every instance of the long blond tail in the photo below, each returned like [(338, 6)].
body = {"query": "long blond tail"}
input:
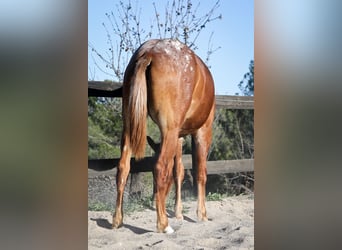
[(137, 108)]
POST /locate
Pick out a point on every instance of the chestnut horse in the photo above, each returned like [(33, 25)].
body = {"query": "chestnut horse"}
[(166, 80)]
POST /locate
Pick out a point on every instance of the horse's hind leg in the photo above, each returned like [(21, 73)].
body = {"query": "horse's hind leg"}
[(163, 178), (179, 177), (121, 178), (201, 152), (156, 148), (202, 139)]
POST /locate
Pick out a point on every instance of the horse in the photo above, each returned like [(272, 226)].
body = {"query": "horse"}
[(166, 80)]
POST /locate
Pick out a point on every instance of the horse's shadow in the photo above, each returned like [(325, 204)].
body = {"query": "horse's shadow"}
[(137, 230), (171, 214), (104, 223)]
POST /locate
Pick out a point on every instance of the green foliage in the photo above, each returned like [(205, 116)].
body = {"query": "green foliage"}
[(98, 206), (214, 197), (233, 135), (104, 127), (233, 138), (135, 204), (247, 84), (231, 184)]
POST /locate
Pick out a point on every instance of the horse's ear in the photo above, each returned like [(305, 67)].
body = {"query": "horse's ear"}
[(153, 145)]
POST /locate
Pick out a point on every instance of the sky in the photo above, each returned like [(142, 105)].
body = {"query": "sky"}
[(234, 33)]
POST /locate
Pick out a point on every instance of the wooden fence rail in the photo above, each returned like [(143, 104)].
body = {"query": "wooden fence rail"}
[(146, 164), (114, 89)]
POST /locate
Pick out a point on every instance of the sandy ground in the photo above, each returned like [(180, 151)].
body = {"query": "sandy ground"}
[(230, 226)]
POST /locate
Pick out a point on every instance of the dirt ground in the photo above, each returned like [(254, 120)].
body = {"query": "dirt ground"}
[(230, 226)]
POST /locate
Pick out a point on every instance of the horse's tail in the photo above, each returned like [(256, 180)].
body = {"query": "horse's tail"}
[(137, 107)]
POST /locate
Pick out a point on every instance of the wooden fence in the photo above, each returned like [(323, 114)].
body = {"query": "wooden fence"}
[(114, 89)]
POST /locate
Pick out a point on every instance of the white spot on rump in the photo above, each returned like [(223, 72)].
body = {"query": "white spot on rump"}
[(167, 51), (177, 44)]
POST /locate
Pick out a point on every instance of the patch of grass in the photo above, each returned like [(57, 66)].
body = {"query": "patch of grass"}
[(147, 202), (136, 204), (214, 197), (99, 206), (186, 209), (133, 206)]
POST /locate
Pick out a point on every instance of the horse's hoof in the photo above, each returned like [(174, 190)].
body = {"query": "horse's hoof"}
[(116, 224), (179, 217), (168, 230), (204, 218)]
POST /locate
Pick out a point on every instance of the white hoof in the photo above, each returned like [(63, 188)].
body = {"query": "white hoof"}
[(168, 230)]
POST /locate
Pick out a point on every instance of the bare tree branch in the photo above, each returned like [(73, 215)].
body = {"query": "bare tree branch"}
[(125, 33)]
